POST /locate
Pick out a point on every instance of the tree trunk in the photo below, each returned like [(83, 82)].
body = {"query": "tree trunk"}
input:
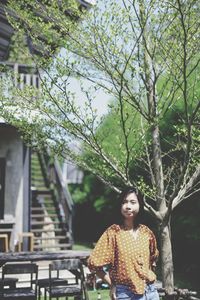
[(167, 261)]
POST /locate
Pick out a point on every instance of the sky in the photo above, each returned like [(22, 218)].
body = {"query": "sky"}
[(100, 102)]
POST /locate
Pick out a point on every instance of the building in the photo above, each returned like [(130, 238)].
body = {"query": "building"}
[(33, 194)]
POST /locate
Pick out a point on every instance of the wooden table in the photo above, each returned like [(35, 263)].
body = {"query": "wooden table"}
[(42, 255)]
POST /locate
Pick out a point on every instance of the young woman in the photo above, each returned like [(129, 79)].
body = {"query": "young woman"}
[(129, 252)]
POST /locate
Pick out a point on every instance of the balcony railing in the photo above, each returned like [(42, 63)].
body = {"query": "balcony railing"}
[(21, 75)]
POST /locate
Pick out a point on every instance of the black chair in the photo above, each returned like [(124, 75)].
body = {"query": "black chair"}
[(76, 288), (9, 282), (19, 293), (44, 282)]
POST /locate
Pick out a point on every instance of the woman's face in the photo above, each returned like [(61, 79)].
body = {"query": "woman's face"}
[(130, 206)]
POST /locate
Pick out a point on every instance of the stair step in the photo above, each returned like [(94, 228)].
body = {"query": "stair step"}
[(48, 230), (50, 209), (43, 215), (36, 176), (34, 159), (45, 197), (46, 223), (35, 165), (45, 220), (57, 237), (37, 209), (43, 192), (36, 169), (52, 246), (38, 182), (39, 199), (47, 201), (39, 187), (34, 162)]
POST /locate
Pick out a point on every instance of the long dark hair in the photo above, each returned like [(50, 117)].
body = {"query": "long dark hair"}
[(124, 193)]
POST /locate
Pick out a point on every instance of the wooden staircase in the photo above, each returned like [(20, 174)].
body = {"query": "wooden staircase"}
[(51, 206)]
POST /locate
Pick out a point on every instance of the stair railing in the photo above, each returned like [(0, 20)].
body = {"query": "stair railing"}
[(53, 178)]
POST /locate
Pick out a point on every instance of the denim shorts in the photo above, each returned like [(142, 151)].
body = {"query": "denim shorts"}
[(123, 292)]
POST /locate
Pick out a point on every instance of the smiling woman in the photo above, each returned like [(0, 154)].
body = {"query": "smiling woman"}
[(129, 251)]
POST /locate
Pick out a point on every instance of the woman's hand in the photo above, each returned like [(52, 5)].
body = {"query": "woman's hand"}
[(113, 292)]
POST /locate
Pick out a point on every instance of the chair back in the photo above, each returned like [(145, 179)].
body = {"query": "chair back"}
[(30, 269), (31, 273), (21, 268), (4, 238), (22, 236), (70, 264), (75, 267)]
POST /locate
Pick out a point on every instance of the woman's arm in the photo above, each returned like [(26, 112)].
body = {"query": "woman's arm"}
[(103, 255), (106, 278)]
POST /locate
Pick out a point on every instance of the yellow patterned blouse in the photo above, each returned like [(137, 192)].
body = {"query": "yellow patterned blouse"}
[(130, 259)]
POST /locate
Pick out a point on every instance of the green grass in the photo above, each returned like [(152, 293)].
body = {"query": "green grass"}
[(104, 295), (82, 246)]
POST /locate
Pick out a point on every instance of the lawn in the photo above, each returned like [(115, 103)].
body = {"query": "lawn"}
[(93, 295), (82, 246)]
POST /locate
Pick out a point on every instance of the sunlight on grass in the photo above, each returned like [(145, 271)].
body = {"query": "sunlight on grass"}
[(93, 295), (82, 246)]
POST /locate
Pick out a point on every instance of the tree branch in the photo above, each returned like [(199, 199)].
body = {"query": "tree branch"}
[(184, 190)]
